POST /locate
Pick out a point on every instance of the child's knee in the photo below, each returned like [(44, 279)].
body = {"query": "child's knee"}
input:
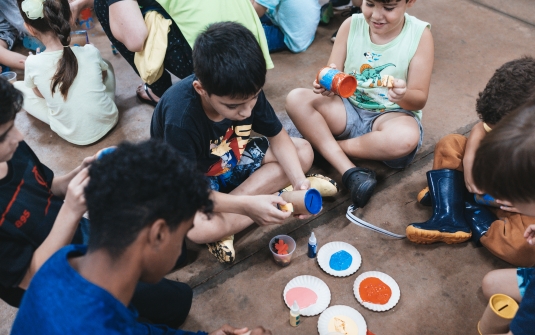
[(488, 285), (452, 144), (404, 142), (296, 98), (304, 151)]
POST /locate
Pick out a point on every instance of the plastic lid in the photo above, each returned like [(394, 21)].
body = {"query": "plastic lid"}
[(295, 307), (313, 201), (503, 305), (312, 239)]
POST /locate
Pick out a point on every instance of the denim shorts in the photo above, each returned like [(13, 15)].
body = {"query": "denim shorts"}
[(250, 161), (524, 276), (8, 33), (360, 122)]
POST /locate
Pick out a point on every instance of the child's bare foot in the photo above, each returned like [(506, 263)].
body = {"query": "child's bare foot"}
[(145, 94)]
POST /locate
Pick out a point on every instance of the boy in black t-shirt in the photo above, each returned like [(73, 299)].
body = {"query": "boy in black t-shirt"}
[(35, 221), (208, 117)]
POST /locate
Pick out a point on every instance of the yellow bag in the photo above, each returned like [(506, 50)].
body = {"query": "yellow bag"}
[(149, 62)]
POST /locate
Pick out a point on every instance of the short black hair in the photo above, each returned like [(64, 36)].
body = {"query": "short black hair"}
[(228, 61), (509, 88), (11, 101), (137, 184), (505, 159)]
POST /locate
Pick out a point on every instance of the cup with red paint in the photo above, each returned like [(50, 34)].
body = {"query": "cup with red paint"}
[(282, 248)]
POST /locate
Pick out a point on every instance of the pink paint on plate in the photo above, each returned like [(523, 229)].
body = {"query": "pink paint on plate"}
[(304, 296)]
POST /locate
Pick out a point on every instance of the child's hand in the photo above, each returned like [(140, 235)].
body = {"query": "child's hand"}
[(507, 206), (229, 330), (398, 90), (87, 162), (529, 234), (262, 209), (75, 198), (468, 162), (318, 89)]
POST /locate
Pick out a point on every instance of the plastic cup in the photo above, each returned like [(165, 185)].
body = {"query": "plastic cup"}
[(282, 260), (337, 82), (485, 199), (498, 315), (9, 76)]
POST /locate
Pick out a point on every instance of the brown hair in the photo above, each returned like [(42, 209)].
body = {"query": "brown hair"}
[(57, 14), (505, 160)]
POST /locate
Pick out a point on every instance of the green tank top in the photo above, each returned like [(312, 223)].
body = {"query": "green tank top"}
[(369, 62)]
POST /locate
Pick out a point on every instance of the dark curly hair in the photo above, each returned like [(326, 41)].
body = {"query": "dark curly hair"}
[(509, 88), (11, 101), (228, 61), (137, 184), (505, 159)]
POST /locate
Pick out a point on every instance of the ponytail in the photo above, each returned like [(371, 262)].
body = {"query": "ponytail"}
[(55, 19), (58, 16)]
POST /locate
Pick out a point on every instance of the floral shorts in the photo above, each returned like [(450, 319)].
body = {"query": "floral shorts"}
[(250, 161)]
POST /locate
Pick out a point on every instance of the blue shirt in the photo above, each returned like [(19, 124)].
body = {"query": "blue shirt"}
[(60, 301), (523, 322), (298, 20)]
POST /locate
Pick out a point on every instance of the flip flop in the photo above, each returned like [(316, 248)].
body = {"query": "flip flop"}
[(149, 101)]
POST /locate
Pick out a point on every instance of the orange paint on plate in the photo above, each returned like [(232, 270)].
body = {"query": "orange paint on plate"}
[(375, 291)]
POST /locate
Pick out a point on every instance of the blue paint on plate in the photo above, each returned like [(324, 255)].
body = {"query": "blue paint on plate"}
[(340, 260)]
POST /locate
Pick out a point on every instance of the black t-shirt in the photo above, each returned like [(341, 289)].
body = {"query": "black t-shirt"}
[(180, 120), (29, 210)]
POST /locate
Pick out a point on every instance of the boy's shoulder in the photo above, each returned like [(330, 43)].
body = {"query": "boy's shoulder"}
[(179, 101), (80, 303)]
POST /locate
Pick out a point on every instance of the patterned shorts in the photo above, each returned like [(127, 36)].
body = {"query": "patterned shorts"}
[(250, 161)]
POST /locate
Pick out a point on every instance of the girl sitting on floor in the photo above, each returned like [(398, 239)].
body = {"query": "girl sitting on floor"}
[(70, 88)]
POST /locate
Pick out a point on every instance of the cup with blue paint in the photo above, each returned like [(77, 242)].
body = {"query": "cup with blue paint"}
[(487, 200), (103, 152), (304, 201)]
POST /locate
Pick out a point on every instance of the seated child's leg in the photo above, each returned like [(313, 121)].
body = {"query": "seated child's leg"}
[(505, 239), (7, 57), (34, 105), (449, 152), (168, 302), (393, 135), (503, 281), (318, 118), (275, 37), (267, 178)]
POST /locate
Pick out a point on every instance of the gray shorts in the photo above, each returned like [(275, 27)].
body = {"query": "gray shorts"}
[(360, 122)]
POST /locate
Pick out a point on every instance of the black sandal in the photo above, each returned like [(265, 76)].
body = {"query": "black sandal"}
[(151, 102), (360, 182)]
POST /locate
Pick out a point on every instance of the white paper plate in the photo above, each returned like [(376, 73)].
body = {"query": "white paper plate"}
[(331, 312), (315, 284), (325, 253), (394, 298)]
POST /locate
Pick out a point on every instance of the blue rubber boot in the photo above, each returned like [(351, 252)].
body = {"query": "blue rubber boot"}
[(478, 217), (446, 188)]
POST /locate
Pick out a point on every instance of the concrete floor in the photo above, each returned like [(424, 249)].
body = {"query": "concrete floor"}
[(440, 284)]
